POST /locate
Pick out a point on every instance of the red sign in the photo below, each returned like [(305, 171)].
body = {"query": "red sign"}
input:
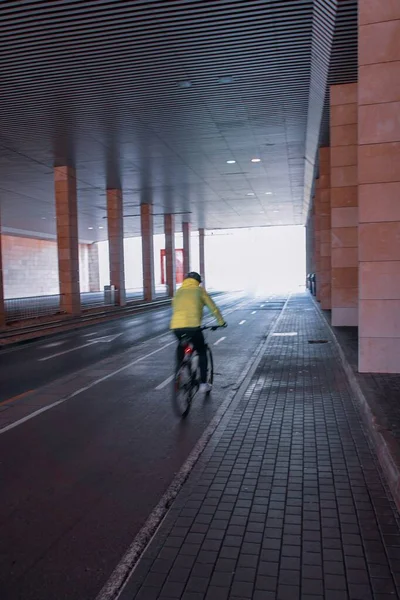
[(179, 266)]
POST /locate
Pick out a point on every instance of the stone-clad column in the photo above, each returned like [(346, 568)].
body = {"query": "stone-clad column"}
[(379, 185), (115, 223), (344, 201), (317, 238), (94, 268), (325, 228), (2, 307), (170, 256), (146, 212), (186, 247), (67, 239), (202, 256)]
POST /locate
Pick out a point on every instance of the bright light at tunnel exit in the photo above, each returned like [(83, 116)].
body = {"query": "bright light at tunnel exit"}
[(259, 260)]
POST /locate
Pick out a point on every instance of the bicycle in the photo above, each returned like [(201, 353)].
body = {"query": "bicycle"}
[(187, 377)]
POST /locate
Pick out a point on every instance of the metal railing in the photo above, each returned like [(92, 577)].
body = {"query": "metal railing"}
[(95, 300), (134, 294), (32, 307)]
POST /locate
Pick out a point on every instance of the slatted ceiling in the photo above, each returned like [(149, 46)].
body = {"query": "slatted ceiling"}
[(97, 81)]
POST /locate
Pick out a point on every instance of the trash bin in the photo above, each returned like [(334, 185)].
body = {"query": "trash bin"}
[(109, 295)]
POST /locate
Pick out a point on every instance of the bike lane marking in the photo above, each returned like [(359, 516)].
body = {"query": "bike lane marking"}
[(219, 341)]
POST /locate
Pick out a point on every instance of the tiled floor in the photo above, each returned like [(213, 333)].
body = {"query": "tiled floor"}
[(287, 502)]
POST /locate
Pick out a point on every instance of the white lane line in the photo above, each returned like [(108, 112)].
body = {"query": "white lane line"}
[(83, 389), (65, 352), (242, 322), (262, 305), (91, 334), (219, 341), (53, 345), (165, 383), (254, 312), (101, 340)]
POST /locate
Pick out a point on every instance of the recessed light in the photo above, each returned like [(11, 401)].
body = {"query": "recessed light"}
[(90, 227), (44, 218), (256, 160), (185, 84), (250, 194), (101, 227), (231, 162), (275, 211), (268, 193), (226, 79)]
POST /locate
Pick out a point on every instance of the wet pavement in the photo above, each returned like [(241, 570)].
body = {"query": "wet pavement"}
[(288, 500), (93, 451)]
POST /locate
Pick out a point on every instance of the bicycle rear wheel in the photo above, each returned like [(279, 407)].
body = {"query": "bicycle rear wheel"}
[(210, 367), (182, 394)]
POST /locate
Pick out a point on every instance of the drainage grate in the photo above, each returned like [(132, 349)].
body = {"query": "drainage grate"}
[(318, 341)]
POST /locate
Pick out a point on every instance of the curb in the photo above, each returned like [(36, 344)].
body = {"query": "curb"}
[(117, 586), (386, 446)]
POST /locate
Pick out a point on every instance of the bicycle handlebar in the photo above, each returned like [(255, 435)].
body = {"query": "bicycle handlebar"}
[(213, 327)]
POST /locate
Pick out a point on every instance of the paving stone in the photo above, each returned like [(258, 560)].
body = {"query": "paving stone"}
[(287, 501)]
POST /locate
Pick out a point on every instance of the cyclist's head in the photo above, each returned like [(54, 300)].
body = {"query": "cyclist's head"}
[(194, 275)]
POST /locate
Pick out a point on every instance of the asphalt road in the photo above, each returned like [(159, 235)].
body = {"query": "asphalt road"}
[(78, 481)]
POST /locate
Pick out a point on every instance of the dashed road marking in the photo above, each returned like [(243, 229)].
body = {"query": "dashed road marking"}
[(219, 341), (165, 383), (242, 322)]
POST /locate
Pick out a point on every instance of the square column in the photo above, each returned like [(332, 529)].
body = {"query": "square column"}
[(2, 307), (344, 204), (115, 223), (170, 256), (67, 239), (202, 256), (317, 238), (325, 227), (186, 247), (146, 216), (379, 186), (94, 268)]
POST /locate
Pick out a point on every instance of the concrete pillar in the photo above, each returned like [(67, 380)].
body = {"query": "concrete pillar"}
[(170, 256), (379, 186), (186, 247), (67, 239), (94, 268), (325, 228), (115, 223), (2, 307), (146, 214), (317, 238), (344, 204), (202, 256)]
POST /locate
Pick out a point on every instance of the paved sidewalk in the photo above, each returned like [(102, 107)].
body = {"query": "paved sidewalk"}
[(287, 501)]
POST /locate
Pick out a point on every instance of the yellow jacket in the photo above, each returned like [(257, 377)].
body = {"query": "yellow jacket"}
[(188, 304)]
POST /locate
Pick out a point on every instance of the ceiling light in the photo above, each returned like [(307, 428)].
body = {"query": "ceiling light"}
[(268, 193), (256, 160), (231, 162), (185, 84), (101, 227), (44, 218), (275, 211), (250, 194), (90, 227), (226, 79)]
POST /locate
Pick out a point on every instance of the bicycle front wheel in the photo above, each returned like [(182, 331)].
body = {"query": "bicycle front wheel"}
[(182, 394)]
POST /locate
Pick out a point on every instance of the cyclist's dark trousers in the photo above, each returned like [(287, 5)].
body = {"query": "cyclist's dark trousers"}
[(197, 338)]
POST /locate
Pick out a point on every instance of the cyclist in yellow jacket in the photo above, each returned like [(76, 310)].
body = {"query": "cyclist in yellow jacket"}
[(187, 313)]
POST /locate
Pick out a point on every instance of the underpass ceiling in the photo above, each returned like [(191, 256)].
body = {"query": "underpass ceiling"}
[(157, 97)]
